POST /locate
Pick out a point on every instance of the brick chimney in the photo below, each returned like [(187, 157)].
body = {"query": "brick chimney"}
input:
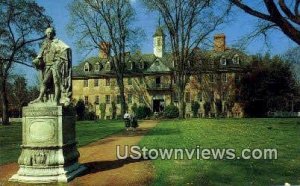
[(104, 50), (219, 42)]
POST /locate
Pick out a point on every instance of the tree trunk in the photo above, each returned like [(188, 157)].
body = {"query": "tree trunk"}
[(122, 94), (181, 103), (5, 118)]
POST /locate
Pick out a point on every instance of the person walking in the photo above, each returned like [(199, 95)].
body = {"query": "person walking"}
[(127, 120)]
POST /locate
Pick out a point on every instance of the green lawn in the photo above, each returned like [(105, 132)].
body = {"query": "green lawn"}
[(86, 132), (282, 134)]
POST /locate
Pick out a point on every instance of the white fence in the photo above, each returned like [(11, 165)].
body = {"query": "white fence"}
[(284, 114), (13, 119)]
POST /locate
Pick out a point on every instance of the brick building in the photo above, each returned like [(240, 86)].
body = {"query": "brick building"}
[(150, 80)]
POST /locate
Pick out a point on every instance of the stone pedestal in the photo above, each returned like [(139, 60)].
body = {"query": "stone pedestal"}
[(49, 152)]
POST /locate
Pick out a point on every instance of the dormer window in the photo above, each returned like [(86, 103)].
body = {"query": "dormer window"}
[(223, 61), (86, 67), (97, 67), (157, 62), (189, 63), (236, 59), (107, 66), (141, 65), (130, 65)]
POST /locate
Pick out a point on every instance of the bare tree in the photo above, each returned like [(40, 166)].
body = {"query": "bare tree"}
[(280, 14), (97, 21), (189, 23), (21, 26)]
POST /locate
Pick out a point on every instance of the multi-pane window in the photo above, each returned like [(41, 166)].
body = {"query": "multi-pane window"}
[(158, 81), (87, 67), (237, 78), (129, 98), (175, 97), (97, 67), (130, 65), (141, 65), (107, 99), (223, 60), (108, 66), (97, 100), (86, 100), (174, 79), (187, 97), (85, 83), (96, 82), (107, 82), (236, 59)]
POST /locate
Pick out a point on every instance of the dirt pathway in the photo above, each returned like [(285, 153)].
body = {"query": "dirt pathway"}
[(103, 166)]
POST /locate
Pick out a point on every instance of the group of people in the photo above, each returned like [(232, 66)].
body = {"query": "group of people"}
[(131, 122)]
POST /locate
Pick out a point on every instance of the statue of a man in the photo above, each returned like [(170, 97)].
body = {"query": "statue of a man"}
[(54, 62)]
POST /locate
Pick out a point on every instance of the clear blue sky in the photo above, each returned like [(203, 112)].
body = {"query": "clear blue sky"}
[(239, 27)]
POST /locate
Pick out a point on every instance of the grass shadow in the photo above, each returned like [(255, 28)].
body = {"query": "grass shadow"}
[(99, 166)]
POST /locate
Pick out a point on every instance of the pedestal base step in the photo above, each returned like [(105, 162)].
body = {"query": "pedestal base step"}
[(69, 175)]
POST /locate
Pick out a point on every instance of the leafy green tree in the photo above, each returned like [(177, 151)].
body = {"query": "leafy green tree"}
[(19, 93), (292, 56), (21, 26), (268, 86)]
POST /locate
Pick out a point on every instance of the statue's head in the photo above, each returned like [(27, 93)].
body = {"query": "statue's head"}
[(50, 33)]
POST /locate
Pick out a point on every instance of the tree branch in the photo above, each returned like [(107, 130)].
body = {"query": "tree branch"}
[(288, 13), (251, 11)]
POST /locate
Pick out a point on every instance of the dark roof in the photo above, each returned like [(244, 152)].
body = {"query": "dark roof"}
[(159, 32), (158, 66), (138, 63)]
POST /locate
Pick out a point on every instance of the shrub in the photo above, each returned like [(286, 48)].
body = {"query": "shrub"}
[(102, 108), (143, 112), (80, 109), (219, 106), (114, 110), (195, 107), (207, 108), (134, 108), (171, 111), (90, 116)]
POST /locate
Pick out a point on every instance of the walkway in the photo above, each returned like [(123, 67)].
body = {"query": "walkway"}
[(101, 159)]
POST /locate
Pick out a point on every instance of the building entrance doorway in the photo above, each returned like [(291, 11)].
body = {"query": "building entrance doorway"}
[(158, 105)]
